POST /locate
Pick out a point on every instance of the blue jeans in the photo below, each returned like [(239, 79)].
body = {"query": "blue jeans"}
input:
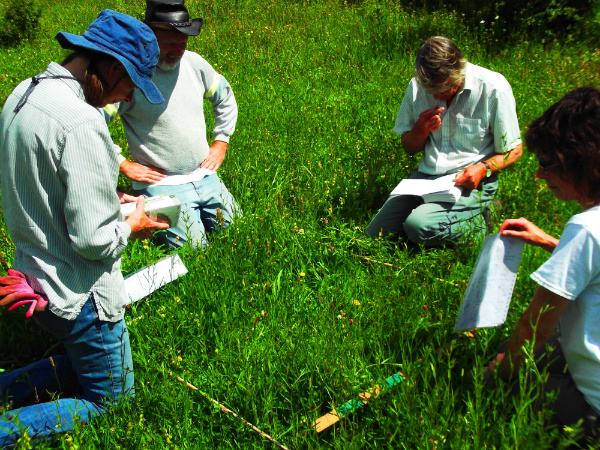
[(206, 206), (98, 364)]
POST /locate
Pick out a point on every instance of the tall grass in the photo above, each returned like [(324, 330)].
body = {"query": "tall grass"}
[(283, 318)]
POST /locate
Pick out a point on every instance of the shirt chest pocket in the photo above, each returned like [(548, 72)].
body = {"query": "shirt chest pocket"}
[(470, 128)]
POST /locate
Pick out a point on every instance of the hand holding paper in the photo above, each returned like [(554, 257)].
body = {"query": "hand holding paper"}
[(526, 231), (440, 189), (141, 225), (126, 198), (471, 176)]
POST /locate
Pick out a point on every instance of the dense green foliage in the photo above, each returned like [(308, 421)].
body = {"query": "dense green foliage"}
[(508, 21), (284, 317), (19, 22)]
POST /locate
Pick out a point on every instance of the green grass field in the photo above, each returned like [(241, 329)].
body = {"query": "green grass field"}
[(284, 317)]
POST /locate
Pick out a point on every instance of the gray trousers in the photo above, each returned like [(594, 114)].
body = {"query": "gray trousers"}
[(431, 224), (569, 405)]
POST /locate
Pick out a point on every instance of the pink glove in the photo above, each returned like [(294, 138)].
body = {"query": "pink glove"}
[(14, 288)]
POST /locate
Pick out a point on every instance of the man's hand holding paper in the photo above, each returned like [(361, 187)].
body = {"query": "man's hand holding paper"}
[(471, 176), (141, 225)]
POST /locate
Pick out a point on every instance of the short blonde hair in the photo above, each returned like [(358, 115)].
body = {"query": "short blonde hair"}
[(440, 65)]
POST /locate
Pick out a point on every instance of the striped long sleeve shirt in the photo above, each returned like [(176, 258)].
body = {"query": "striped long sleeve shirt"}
[(59, 202)]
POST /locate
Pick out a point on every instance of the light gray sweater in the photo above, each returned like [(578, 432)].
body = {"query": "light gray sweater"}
[(172, 135)]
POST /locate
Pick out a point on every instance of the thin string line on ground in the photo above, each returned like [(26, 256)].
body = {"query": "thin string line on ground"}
[(366, 258), (228, 411)]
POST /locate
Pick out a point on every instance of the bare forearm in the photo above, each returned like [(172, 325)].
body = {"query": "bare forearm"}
[(529, 233), (501, 161), (414, 141), (514, 353), (471, 176), (429, 121), (537, 325)]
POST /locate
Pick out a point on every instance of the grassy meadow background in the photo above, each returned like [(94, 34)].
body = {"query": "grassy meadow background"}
[(284, 317)]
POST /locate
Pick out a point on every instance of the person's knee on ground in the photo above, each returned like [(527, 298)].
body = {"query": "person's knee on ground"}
[(387, 223), (422, 231), (220, 208), (381, 233), (428, 227)]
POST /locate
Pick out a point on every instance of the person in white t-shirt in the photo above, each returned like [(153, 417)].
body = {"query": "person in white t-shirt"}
[(566, 141)]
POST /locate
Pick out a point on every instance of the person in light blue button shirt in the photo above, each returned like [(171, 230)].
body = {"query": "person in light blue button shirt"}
[(463, 120)]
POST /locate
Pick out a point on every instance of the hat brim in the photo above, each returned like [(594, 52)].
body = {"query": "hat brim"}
[(74, 42), (191, 30)]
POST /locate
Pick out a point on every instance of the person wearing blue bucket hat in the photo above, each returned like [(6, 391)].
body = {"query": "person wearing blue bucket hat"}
[(60, 206), (125, 39)]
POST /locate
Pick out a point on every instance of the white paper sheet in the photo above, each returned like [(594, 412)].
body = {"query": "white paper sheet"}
[(491, 285), (175, 180), (419, 187), (142, 283)]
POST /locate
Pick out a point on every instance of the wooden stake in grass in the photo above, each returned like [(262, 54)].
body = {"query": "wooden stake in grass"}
[(228, 411), (334, 416)]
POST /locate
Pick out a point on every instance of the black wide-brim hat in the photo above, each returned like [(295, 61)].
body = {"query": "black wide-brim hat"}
[(172, 14)]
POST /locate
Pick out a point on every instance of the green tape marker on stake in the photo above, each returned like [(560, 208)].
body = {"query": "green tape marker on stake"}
[(350, 406), (336, 414)]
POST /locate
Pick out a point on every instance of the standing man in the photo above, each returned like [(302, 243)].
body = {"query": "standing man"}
[(60, 205), (463, 119), (171, 155)]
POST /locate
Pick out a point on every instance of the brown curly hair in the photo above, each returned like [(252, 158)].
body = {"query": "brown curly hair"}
[(568, 134)]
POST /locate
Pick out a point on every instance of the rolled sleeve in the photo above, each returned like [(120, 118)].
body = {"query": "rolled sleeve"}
[(574, 263)]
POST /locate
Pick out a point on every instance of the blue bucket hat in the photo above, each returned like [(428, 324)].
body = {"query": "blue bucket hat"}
[(126, 39)]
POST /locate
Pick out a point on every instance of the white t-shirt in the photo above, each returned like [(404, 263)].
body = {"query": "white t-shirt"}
[(573, 272)]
